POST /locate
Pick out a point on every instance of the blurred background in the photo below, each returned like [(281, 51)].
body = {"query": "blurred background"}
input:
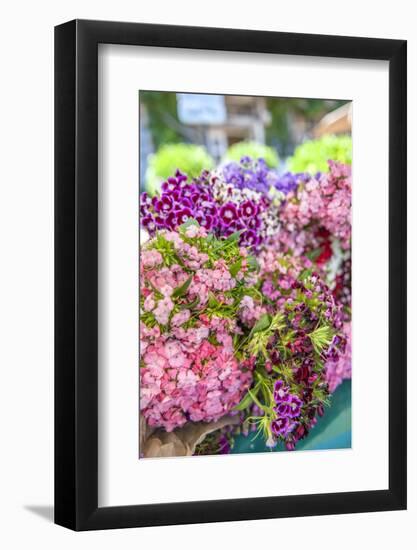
[(196, 131)]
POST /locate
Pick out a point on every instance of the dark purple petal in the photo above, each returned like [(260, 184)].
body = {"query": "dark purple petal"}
[(160, 222), (228, 213), (183, 215), (144, 198), (208, 207), (249, 238), (205, 220), (283, 409), (187, 191), (184, 202), (279, 385), (206, 196), (165, 204), (148, 223), (180, 176), (170, 185), (295, 404), (280, 426), (171, 220), (176, 195), (248, 209)]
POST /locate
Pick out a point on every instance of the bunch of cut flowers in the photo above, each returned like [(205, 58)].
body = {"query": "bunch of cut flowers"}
[(244, 311), (192, 285)]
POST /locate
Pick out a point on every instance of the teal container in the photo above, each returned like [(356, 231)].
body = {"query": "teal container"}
[(332, 431)]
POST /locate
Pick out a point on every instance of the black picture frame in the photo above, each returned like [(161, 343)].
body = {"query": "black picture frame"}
[(76, 272)]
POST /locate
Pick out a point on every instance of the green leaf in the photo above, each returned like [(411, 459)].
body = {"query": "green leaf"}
[(262, 407), (234, 237), (191, 305), (212, 302), (263, 323), (248, 399), (252, 263), (181, 290), (305, 274), (234, 268), (188, 223), (321, 338)]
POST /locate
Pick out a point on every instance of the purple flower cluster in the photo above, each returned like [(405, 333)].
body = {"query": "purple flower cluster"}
[(178, 202), (289, 181), (181, 200), (249, 174), (287, 408), (256, 175), (244, 217)]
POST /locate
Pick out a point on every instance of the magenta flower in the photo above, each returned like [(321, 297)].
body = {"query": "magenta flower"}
[(253, 223), (280, 391), (250, 238), (170, 185), (183, 215), (148, 222), (248, 209), (205, 220), (295, 404), (228, 213), (165, 204), (280, 426)]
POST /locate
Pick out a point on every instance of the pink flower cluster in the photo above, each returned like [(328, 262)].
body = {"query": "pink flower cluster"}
[(250, 312), (320, 203), (341, 368), (279, 272), (189, 370), (185, 377), (216, 279)]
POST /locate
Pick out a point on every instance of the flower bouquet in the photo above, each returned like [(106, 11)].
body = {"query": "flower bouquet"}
[(244, 306)]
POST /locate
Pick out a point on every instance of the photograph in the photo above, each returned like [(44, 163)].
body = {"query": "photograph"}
[(231, 272), (208, 273), (245, 274)]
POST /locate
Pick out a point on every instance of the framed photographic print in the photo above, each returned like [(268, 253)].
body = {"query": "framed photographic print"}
[(230, 275)]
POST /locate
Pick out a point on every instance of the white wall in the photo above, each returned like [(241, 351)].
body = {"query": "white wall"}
[(26, 301)]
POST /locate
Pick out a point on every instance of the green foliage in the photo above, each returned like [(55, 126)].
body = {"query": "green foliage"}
[(162, 110), (263, 323), (312, 156), (253, 150), (248, 398), (182, 289), (284, 111), (190, 159), (321, 338)]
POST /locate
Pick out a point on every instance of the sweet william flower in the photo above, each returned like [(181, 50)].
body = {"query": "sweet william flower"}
[(281, 426), (189, 369), (164, 204), (248, 209), (228, 213), (183, 216)]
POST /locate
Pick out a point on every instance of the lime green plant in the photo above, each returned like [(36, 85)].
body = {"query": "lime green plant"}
[(312, 156), (190, 159), (254, 150)]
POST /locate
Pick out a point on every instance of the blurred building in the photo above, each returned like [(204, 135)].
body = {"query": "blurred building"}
[(221, 121)]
